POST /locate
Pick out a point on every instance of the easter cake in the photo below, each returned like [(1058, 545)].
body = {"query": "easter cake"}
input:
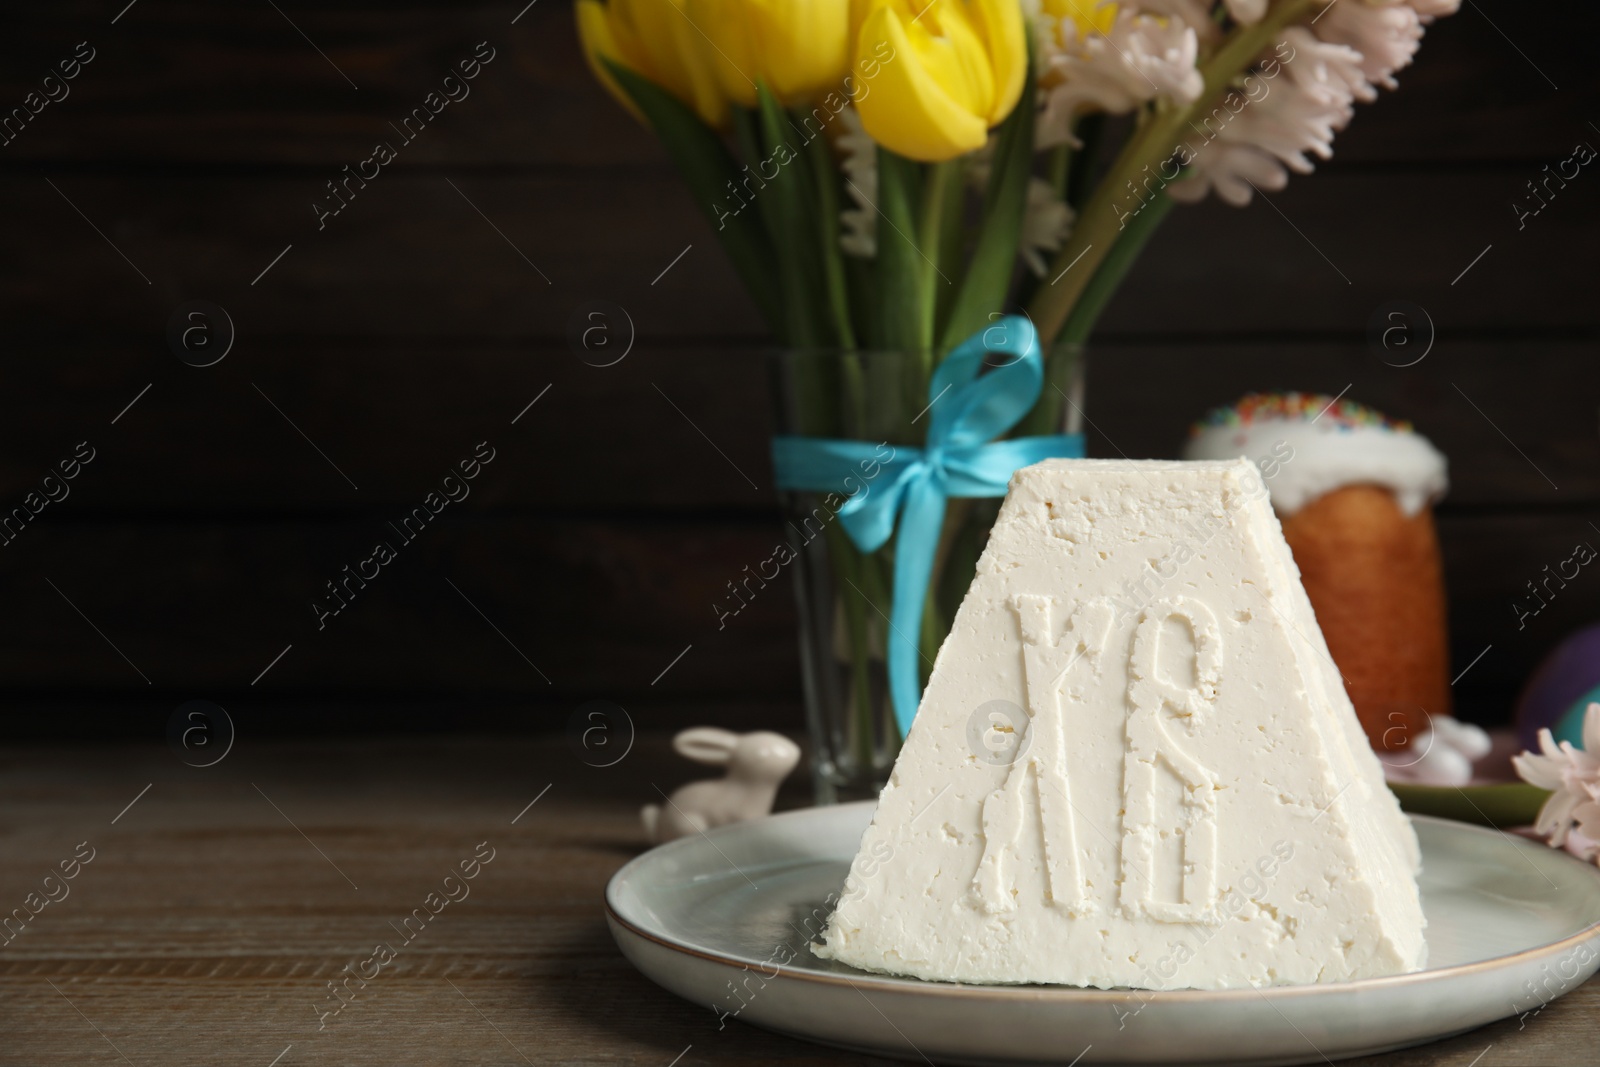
[(1354, 490)]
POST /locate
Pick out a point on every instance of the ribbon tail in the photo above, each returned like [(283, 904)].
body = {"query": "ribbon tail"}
[(916, 544)]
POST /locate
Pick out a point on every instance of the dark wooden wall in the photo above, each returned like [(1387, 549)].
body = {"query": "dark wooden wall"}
[(408, 330)]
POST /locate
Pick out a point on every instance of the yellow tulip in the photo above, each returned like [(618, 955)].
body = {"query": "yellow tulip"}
[(798, 49), (956, 69), (655, 39)]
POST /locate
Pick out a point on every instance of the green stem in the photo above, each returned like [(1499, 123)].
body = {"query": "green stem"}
[(1102, 224), (1103, 286), (947, 253), (877, 579), (934, 627), (847, 570), (1045, 418), (873, 582), (860, 277), (827, 177), (969, 521), (1059, 167), (941, 188), (791, 198), (855, 394), (747, 135), (899, 257)]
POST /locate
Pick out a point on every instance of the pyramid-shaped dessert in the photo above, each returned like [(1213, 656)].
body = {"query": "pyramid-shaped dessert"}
[(1134, 764)]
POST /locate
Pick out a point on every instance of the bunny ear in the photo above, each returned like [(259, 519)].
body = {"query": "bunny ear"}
[(706, 744)]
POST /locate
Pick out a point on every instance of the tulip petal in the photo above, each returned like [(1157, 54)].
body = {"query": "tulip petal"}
[(804, 46), (676, 53), (905, 109), (692, 50), (798, 49), (594, 33), (967, 75), (733, 46), (999, 23)]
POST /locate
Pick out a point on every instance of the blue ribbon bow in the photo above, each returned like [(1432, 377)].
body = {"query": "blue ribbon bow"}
[(960, 457)]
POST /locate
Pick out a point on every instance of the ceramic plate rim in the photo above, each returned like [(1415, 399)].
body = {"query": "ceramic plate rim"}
[(892, 983)]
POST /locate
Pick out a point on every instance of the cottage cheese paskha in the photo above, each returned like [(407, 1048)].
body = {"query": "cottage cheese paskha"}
[(1135, 764)]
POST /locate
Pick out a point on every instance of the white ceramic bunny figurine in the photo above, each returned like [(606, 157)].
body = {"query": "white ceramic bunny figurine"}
[(756, 762)]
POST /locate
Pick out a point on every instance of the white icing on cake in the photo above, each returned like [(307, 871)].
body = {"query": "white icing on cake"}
[(1302, 460)]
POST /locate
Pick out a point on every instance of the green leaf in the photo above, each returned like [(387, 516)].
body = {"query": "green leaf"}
[(983, 289), (861, 278), (707, 166), (826, 175), (1502, 805), (793, 224), (748, 139)]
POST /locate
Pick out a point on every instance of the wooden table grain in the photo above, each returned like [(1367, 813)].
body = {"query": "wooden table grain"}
[(221, 902)]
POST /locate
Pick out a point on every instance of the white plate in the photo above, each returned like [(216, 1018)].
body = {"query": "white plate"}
[(723, 920)]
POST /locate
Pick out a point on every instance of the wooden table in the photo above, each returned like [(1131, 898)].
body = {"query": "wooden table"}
[(221, 901)]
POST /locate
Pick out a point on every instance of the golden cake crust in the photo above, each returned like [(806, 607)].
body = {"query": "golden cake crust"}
[(1375, 580)]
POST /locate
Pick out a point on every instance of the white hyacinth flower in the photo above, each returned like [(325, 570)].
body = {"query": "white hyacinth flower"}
[(1139, 58), (1325, 69), (1246, 11), (1234, 172), (1387, 34), (1192, 13), (1432, 9), (1349, 50), (1046, 224), (1571, 817), (1293, 120)]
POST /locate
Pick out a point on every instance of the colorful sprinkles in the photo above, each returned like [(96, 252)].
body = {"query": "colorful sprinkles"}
[(1298, 407)]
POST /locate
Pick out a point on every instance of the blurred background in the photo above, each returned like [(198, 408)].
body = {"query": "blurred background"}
[(383, 331)]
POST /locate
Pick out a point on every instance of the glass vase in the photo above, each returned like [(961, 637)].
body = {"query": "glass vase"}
[(879, 398)]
